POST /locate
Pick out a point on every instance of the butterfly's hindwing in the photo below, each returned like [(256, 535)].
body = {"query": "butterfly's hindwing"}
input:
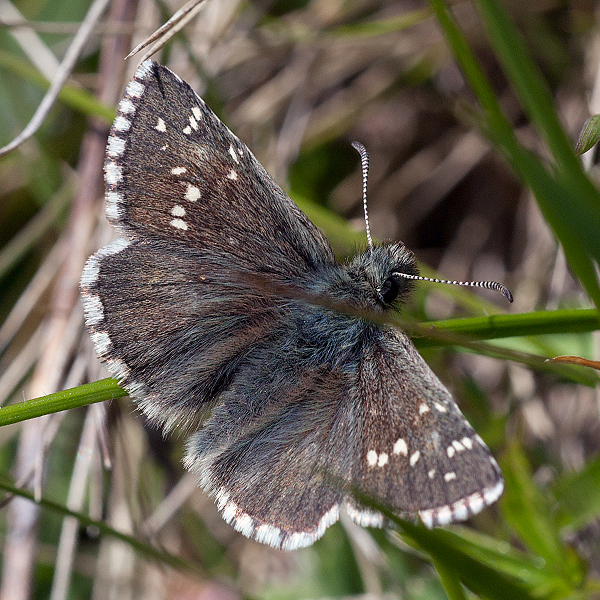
[(380, 424), (264, 452)]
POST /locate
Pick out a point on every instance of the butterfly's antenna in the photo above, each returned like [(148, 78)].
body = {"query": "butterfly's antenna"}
[(364, 160), (490, 285)]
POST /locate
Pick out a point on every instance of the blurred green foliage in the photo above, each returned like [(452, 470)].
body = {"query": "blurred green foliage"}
[(522, 549)]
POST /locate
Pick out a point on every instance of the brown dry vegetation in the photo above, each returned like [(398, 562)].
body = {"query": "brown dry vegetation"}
[(297, 81)]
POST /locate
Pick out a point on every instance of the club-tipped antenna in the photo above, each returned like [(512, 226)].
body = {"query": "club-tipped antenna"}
[(364, 161), (490, 285)]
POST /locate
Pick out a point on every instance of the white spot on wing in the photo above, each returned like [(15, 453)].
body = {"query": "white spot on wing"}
[(193, 123), (463, 508), (263, 532), (221, 499), (90, 271), (178, 211), (113, 173), (115, 146), (427, 517), (414, 458), (400, 447), (268, 534), (480, 440), (233, 153), (383, 459), (101, 342), (423, 408), (114, 247), (187, 130), (364, 518), (232, 175), (126, 106), (467, 443), (431, 474), (144, 69), (476, 503), (93, 309), (178, 171), (121, 124), (229, 511), (459, 447), (492, 494), (450, 451), (197, 112), (192, 193), (113, 208), (160, 125), (372, 458), (244, 524), (179, 224), (494, 463), (302, 539), (121, 371), (440, 407), (450, 476), (444, 515), (460, 510), (134, 88)]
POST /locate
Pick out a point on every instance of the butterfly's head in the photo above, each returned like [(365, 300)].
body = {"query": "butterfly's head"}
[(376, 275)]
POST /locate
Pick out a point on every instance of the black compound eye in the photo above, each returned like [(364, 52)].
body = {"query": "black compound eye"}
[(389, 290)]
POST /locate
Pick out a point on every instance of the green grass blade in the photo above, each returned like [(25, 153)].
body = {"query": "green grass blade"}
[(105, 389), (569, 202), (487, 566), (145, 550), (529, 513), (578, 495), (77, 98), (524, 324), (450, 581), (528, 82), (584, 204), (447, 549), (375, 28), (437, 333)]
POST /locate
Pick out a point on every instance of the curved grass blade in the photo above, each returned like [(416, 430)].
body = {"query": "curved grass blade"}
[(105, 389), (145, 550)]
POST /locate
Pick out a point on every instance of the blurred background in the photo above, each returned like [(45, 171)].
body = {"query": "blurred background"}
[(297, 81)]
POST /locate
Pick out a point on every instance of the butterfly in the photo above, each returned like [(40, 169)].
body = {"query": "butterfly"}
[(216, 310)]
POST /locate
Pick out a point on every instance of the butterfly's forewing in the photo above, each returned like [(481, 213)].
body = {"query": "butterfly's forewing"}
[(170, 326), (175, 173), (418, 454)]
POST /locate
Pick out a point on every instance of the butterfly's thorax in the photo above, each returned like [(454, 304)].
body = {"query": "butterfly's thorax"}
[(334, 329)]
